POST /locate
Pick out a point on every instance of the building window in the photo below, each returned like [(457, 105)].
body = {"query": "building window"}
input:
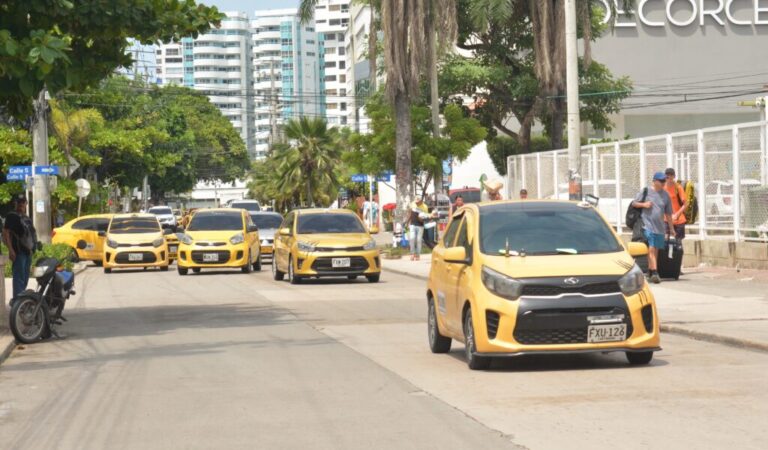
[(310, 42), (342, 65), (343, 106), (172, 60), (342, 51), (330, 64), (330, 78), (334, 7), (330, 36), (343, 92), (159, 52), (342, 78), (310, 30), (310, 53), (330, 51), (335, 22), (172, 52), (331, 106), (331, 92)]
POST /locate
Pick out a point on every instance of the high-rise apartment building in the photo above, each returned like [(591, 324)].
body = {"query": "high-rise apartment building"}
[(358, 66), (332, 22), (286, 72)]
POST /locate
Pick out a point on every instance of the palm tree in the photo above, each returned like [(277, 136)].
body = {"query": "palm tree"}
[(310, 160), (73, 127)]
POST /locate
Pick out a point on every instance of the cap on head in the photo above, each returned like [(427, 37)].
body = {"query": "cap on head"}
[(523, 191), (669, 172), (658, 176), (18, 199)]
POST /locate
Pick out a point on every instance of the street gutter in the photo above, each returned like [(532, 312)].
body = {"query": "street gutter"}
[(671, 329)]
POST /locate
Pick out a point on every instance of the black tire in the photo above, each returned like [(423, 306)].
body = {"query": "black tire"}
[(292, 276), (197, 270), (277, 275), (247, 268), (437, 342), (474, 361), (164, 269), (182, 271), (639, 358), (257, 264), (107, 270), (373, 278), (21, 316)]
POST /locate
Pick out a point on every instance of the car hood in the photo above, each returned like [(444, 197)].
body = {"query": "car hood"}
[(134, 238), (334, 240), (219, 236), (165, 216), (561, 265), (267, 233)]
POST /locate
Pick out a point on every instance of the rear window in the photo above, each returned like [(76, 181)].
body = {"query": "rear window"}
[(266, 221), (157, 210), (467, 196), (544, 230), (329, 223), (126, 225), (216, 221), (248, 206)]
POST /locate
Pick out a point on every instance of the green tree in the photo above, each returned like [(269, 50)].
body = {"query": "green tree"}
[(72, 129), (15, 149), (62, 44)]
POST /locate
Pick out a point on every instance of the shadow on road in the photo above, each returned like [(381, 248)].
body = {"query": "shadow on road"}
[(553, 363)]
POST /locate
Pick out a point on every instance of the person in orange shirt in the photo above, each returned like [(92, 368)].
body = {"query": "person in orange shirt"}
[(679, 203)]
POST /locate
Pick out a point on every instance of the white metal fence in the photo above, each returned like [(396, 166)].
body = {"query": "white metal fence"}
[(727, 165)]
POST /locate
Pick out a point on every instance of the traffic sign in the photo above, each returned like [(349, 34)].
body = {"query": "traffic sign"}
[(83, 187), (359, 178), (46, 170), (15, 177), (385, 177), (20, 170)]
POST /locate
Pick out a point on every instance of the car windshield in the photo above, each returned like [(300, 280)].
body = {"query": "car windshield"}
[(329, 223), (248, 206), (544, 229), (216, 221), (125, 225), (267, 221), (160, 210)]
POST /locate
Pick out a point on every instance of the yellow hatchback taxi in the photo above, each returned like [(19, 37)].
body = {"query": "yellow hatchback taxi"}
[(537, 277), (135, 241), (314, 243), (86, 229), (219, 238)]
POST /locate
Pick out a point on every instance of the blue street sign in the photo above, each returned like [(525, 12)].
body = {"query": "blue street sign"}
[(15, 177), (46, 170), (386, 177), (359, 178), (20, 170)]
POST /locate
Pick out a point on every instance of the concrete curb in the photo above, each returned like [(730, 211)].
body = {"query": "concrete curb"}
[(671, 329), (7, 344)]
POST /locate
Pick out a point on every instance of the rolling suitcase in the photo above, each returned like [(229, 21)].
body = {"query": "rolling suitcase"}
[(670, 267)]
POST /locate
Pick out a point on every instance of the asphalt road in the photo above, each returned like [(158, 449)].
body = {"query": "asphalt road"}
[(154, 360)]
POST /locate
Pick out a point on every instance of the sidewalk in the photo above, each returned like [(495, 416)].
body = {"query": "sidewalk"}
[(711, 305)]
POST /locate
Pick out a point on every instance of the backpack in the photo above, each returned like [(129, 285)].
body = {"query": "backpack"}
[(692, 210), (634, 214), (28, 239)]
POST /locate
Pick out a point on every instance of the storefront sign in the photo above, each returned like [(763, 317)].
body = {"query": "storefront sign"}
[(684, 13)]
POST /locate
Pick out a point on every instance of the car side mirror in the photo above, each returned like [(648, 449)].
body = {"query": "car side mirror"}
[(285, 232), (252, 228), (102, 234), (167, 231), (636, 249), (456, 255), (82, 245)]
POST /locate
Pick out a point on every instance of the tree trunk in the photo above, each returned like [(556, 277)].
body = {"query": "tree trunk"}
[(310, 201), (433, 96), (403, 167), (558, 122)]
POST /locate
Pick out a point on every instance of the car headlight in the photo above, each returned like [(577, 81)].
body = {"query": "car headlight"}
[(185, 239), (305, 247), (158, 242), (239, 238), (501, 285), (111, 243), (370, 245), (39, 271), (633, 281)]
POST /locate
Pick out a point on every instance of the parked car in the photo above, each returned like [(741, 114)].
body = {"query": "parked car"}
[(248, 205), (607, 204), (165, 216), (268, 224), (87, 229), (720, 196), (534, 277), (468, 194), (135, 241)]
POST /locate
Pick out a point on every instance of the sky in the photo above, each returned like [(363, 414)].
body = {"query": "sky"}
[(249, 6)]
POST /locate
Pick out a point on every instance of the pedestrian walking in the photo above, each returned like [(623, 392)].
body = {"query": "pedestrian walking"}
[(679, 203), (21, 239), (656, 210), (523, 194), (419, 212)]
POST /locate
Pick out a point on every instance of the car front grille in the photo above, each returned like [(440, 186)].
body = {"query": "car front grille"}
[(339, 249), (210, 244), (143, 244), (543, 290), (325, 265), (552, 336), (146, 257), (198, 256), (562, 325)]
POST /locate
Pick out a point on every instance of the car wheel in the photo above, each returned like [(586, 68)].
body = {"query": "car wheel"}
[(276, 274), (107, 270), (437, 342), (247, 267), (639, 358), (474, 361), (257, 264), (373, 278), (182, 271), (164, 269), (291, 275)]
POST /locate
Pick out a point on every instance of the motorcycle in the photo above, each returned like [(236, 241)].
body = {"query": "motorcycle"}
[(34, 313)]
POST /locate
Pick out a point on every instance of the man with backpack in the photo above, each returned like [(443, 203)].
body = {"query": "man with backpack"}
[(21, 239), (656, 209), (679, 203)]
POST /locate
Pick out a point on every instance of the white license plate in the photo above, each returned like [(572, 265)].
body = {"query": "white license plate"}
[(210, 257), (339, 262), (607, 333), (172, 249), (135, 257)]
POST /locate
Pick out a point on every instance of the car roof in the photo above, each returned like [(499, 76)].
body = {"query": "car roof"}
[(159, 206), (264, 213), (528, 205), (219, 210), (94, 216), (324, 211), (134, 216), (244, 201)]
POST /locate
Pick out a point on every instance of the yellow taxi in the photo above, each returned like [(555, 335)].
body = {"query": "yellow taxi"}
[(314, 243), (268, 223), (533, 277), (219, 238), (135, 241), (86, 229)]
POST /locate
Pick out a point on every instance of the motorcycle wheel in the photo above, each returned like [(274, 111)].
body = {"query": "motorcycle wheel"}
[(26, 325)]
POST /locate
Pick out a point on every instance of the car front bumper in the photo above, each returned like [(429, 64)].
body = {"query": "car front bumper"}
[(560, 325), (115, 258), (229, 256), (320, 264)]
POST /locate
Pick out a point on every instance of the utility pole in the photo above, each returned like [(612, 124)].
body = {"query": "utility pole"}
[(432, 50), (273, 106), (572, 85), (41, 195)]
